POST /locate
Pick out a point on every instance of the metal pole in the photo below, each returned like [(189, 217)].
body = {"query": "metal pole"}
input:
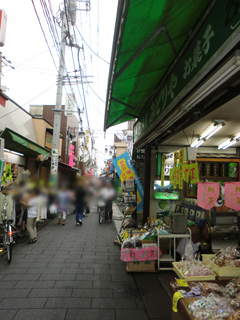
[(68, 138), (57, 111)]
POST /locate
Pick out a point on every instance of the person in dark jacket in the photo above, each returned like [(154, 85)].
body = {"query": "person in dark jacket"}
[(80, 201)]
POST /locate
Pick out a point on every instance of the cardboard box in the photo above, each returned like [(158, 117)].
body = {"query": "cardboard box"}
[(139, 254), (143, 266)]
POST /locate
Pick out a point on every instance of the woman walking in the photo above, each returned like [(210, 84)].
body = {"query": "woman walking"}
[(63, 204)]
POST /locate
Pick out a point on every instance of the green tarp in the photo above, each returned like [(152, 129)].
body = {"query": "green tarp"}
[(18, 143), (130, 87)]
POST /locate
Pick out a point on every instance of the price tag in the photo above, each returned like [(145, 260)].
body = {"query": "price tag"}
[(181, 283), (177, 296)]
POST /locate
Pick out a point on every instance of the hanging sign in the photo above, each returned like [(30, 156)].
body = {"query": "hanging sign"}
[(207, 194), (181, 157), (193, 173), (175, 170), (185, 173), (126, 171), (172, 171), (54, 162), (162, 171), (69, 105), (232, 195)]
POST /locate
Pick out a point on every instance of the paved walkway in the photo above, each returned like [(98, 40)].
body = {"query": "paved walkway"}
[(71, 273)]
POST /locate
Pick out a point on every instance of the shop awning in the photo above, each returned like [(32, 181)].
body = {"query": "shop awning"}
[(149, 34), (18, 143)]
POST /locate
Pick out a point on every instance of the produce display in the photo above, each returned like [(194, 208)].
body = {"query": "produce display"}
[(228, 257), (217, 302), (192, 268)]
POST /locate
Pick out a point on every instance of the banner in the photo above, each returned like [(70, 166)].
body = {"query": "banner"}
[(175, 170), (181, 157), (163, 171), (193, 173), (207, 194), (185, 173), (232, 195), (126, 171)]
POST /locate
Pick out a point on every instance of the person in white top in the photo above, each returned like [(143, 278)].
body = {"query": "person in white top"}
[(32, 203)]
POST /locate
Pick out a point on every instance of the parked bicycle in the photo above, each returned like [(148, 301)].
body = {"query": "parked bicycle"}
[(7, 228), (101, 210)]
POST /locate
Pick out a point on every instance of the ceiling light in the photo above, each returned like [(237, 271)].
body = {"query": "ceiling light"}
[(200, 143), (230, 144), (237, 136), (225, 143), (193, 145), (209, 130), (218, 127)]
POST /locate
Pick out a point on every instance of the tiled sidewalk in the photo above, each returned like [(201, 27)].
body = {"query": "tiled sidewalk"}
[(71, 273)]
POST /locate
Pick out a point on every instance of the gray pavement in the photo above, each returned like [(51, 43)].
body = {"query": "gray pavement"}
[(71, 273)]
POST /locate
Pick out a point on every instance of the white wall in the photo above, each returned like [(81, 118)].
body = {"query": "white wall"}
[(16, 119)]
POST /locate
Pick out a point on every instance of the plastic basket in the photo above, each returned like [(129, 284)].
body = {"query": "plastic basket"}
[(228, 272), (197, 278)]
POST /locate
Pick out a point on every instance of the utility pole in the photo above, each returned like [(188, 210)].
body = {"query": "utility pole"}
[(58, 107)]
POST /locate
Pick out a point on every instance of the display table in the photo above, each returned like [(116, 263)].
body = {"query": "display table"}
[(171, 257)]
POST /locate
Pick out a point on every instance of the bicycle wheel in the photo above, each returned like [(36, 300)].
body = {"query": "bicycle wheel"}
[(9, 252)]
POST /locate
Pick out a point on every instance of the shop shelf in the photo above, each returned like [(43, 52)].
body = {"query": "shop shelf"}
[(220, 271), (166, 257), (194, 278)]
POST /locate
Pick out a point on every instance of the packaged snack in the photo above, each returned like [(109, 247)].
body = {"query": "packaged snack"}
[(209, 287)]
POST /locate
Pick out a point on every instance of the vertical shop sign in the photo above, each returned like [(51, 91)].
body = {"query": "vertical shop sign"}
[(232, 195), (172, 172), (181, 157), (126, 171), (54, 165), (193, 173), (175, 170), (185, 173), (163, 171), (207, 194)]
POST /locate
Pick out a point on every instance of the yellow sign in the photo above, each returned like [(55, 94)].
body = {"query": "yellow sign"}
[(181, 283), (163, 171), (193, 173), (185, 173), (181, 157), (124, 235), (177, 296), (175, 170), (127, 173)]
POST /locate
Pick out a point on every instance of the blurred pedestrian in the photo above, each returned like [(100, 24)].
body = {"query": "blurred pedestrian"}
[(80, 200), (63, 203), (32, 202), (108, 194)]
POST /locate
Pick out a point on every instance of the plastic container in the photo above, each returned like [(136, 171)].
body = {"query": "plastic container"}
[(233, 170), (179, 223), (220, 271), (197, 278)]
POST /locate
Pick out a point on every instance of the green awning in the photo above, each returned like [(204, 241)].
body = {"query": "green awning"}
[(18, 143), (149, 34)]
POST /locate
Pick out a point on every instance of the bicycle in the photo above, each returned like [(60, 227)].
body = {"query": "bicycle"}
[(101, 211), (7, 226)]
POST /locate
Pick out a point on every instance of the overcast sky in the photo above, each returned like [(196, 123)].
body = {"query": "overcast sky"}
[(33, 80)]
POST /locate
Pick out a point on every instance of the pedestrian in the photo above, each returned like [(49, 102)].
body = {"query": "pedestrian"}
[(108, 194), (32, 202), (80, 200), (63, 203)]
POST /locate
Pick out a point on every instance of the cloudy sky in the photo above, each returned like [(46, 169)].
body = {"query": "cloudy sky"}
[(34, 78)]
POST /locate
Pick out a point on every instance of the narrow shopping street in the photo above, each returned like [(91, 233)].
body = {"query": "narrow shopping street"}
[(70, 273)]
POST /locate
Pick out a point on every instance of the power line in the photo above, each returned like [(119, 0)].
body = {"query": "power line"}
[(90, 47), (96, 94)]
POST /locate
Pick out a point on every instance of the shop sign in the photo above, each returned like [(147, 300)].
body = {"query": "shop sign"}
[(163, 171), (54, 162), (48, 142), (175, 170), (14, 159), (69, 105), (193, 173), (126, 171), (232, 195), (140, 155), (207, 194), (219, 25), (181, 157)]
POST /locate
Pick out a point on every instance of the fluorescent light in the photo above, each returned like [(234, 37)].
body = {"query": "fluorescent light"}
[(193, 145), (219, 127), (18, 153), (209, 130), (200, 143), (224, 144), (230, 144), (237, 135)]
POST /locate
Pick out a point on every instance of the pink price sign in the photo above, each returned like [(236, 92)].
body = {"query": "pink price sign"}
[(140, 254), (232, 195), (207, 194)]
